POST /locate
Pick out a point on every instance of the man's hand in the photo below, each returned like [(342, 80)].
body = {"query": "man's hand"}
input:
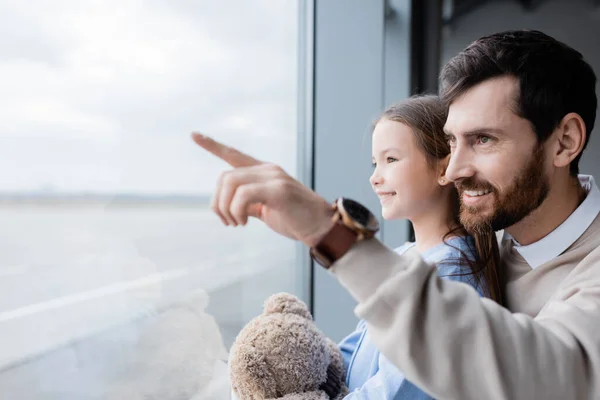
[(265, 191)]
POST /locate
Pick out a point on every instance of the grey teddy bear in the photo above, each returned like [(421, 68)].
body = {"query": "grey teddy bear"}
[(281, 354)]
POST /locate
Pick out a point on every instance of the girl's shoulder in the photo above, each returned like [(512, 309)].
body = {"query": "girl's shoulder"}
[(455, 248), (451, 258), (453, 261)]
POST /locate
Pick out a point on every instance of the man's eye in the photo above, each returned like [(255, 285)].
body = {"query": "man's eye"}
[(484, 139), (451, 140)]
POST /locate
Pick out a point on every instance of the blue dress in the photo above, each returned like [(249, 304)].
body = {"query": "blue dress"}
[(369, 374)]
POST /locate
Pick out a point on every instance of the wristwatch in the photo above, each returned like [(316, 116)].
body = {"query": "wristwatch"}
[(353, 222)]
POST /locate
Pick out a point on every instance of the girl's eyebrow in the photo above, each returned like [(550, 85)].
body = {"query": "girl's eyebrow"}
[(389, 149)]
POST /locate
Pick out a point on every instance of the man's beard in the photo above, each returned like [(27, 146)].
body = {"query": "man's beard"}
[(527, 192)]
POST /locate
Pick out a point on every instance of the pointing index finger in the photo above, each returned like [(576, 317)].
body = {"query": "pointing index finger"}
[(231, 156)]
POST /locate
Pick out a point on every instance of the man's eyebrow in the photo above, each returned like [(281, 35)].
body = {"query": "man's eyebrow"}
[(479, 131)]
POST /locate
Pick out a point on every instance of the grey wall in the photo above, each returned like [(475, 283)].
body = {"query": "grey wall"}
[(361, 65), (575, 22)]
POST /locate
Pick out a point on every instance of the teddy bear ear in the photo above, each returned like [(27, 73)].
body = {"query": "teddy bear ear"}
[(286, 303)]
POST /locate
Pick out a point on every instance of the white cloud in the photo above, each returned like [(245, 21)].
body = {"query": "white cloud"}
[(102, 95)]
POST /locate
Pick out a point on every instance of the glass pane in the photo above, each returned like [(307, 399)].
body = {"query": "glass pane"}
[(117, 282)]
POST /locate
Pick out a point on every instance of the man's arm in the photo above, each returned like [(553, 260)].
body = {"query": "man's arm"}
[(455, 345), (444, 338)]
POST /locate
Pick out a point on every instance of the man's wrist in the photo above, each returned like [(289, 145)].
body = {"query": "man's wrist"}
[(349, 222), (324, 226)]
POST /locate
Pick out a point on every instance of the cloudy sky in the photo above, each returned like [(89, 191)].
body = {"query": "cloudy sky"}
[(101, 95)]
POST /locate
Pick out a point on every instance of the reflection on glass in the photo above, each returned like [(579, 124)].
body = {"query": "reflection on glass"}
[(117, 282)]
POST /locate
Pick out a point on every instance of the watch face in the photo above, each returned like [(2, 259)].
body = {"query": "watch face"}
[(361, 215)]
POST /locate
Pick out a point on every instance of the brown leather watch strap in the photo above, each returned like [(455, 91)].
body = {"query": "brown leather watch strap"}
[(334, 244)]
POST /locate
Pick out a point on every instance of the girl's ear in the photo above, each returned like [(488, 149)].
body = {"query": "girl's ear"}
[(441, 173)]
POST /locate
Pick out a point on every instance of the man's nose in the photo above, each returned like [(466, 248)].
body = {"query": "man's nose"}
[(460, 165)]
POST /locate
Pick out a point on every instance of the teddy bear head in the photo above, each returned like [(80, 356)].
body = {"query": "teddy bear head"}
[(281, 354)]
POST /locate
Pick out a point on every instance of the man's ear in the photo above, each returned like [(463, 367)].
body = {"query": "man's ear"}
[(569, 139), (442, 166)]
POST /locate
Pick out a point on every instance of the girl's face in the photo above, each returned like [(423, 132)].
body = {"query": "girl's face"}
[(406, 184)]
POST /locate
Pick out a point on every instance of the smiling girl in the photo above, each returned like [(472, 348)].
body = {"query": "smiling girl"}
[(410, 155)]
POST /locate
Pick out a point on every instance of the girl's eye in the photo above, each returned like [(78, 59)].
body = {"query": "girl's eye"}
[(388, 160)]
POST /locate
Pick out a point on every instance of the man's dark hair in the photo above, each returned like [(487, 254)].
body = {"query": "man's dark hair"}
[(554, 78)]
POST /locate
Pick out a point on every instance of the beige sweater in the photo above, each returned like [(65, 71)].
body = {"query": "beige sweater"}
[(455, 345)]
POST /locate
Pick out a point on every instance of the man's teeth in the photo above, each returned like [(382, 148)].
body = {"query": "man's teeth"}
[(475, 193)]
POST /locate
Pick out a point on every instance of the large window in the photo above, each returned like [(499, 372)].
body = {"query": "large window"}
[(116, 280)]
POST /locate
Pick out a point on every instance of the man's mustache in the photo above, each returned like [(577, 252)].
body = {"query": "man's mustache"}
[(473, 184)]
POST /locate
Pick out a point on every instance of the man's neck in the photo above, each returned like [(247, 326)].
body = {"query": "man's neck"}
[(561, 202)]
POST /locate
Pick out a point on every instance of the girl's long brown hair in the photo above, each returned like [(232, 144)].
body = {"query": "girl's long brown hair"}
[(426, 115)]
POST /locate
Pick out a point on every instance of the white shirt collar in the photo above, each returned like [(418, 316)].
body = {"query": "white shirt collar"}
[(557, 241)]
